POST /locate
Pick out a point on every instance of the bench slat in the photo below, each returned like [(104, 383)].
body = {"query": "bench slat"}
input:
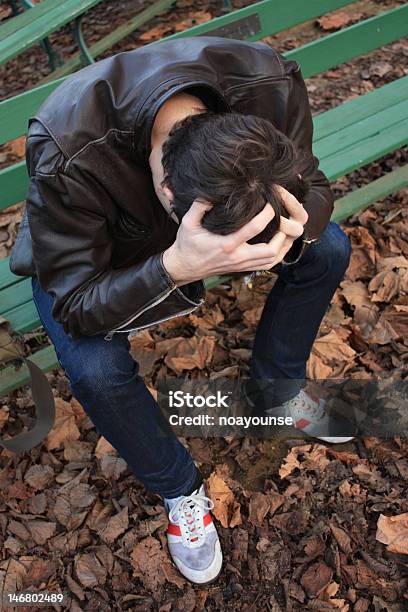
[(13, 184), (356, 40), (7, 278), (354, 110), (369, 149), (15, 295), (376, 190), (15, 112), (345, 138), (10, 378), (273, 16), (41, 24), (24, 19), (23, 318)]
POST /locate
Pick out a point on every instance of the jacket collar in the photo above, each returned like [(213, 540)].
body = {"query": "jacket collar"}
[(210, 94)]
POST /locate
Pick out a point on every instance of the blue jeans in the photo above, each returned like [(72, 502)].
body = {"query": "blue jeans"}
[(104, 377)]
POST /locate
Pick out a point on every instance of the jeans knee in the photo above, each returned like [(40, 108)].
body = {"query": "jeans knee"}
[(335, 249), (93, 372)]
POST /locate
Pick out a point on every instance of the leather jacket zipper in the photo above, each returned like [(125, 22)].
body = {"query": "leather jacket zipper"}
[(161, 298), (109, 336)]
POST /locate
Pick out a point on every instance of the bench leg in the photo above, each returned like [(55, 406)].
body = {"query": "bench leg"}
[(54, 59), (14, 7), (79, 37)]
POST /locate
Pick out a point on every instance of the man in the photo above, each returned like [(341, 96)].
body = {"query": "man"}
[(114, 241)]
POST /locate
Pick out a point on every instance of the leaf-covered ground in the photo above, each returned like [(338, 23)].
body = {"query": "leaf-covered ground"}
[(303, 526)]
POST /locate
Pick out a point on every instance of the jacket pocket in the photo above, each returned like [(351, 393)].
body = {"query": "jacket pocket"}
[(130, 239), (21, 259)]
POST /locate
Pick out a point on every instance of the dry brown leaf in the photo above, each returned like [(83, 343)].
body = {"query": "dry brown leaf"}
[(103, 448), (113, 467), (259, 506), (38, 476), (342, 538), (166, 28), (385, 286), (316, 578), (76, 450), (65, 427), (316, 369), (290, 462), (328, 595), (17, 147), (393, 531), (226, 508), (12, 574), (90, 571), (355, 293), (332, 349), (190, 353), (115, 526), (81, 496), (152, 565), (337, 20), (41, 531)]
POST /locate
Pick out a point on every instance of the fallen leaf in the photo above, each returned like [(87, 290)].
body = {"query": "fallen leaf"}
[(65, 427), (226, 508), (152, 565), (259, 506), (337, 20), (115, 526), (41, 531), (113, 467), (316, 578), (90, 571), (103, 448), (38, 476), (393, 531)]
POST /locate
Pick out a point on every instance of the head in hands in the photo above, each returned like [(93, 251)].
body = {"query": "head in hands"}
[(234, 162)]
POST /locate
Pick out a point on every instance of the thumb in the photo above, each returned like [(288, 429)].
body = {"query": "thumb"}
[(195, 213)]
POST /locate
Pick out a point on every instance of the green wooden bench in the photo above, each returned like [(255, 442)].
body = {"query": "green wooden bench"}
[(35, 24), (346, 137)]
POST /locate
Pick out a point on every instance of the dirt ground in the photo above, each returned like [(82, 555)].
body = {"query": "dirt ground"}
[(303, 526)]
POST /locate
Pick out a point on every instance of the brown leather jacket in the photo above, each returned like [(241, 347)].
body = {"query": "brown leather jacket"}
[(94, 230)]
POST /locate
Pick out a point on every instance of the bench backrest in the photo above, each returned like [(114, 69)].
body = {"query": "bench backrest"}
[(23, 31), (251, 23)]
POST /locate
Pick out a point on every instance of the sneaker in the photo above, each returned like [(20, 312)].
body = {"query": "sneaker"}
[(309, 415), (192, 537)]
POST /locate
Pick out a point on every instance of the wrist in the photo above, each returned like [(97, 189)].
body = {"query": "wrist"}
[(174, 268)]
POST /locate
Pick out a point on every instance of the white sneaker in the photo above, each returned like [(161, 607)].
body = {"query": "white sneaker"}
[(192, 537), (309, 415)]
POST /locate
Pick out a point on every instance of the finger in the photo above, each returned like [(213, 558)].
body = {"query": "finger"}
[(292, 205), (292, 228), (262, 251), (252, 228), (278, 240), (195, 213)]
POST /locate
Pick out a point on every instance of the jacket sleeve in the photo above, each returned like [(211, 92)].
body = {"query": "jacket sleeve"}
[(72, 249), (319, 203)]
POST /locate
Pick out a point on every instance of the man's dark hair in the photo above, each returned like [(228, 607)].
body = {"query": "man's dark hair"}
[(234, 161)]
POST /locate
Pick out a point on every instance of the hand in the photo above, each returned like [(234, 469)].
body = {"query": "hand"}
[(198, 253), (289, 228)]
